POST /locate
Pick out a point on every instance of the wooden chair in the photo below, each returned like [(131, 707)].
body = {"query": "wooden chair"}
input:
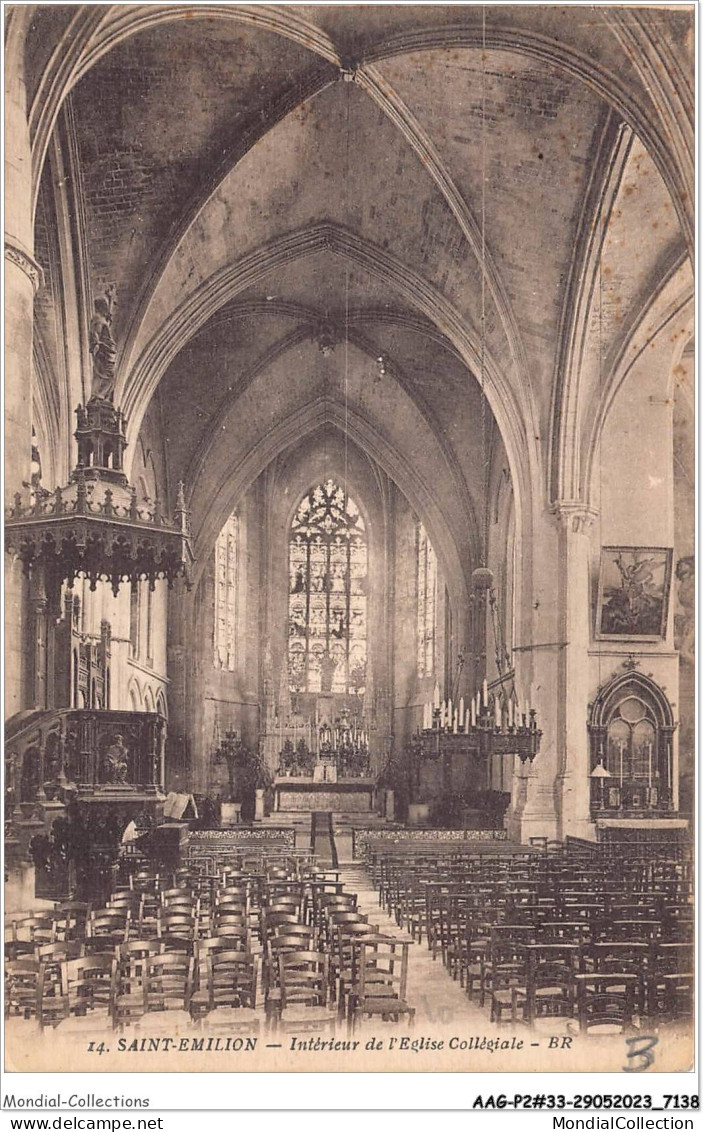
[(380, 988), (549, 989), (345, 959), (106, 928), (169, 983), (305, 1002), (70, 920), (299, 937), (89, 988), (667, 995), (229, 993)]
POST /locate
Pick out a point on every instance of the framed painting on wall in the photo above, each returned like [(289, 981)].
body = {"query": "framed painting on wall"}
[(633, 593)]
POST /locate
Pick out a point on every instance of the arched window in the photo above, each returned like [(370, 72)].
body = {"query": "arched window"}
[(327, 604), (426, 603), (225, 639)]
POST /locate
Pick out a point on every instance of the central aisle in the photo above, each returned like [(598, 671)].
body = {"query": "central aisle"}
[(438, 1000)]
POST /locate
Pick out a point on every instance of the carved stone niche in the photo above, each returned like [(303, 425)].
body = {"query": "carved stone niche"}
[(631, 726)]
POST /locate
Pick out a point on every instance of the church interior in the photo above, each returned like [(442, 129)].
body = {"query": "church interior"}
[(349, 517)]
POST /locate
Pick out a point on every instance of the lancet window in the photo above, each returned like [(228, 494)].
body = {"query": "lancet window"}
[(327, 605)]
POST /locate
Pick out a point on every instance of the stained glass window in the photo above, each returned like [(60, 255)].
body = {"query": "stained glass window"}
[(426, 603), (327, 604), (226, 595)]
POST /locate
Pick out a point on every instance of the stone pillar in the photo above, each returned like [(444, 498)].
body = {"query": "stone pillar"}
[(574, 522), (177, 772), (39, 607), (532, 811), (22, 279)]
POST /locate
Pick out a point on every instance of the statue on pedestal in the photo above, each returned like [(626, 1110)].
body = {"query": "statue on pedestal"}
[(103, 349), (116, 762)]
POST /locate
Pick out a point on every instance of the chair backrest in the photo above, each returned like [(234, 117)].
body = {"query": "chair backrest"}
[(89, 983), (145, 881), (169, 981), (177, 923), (214, 944), (231, 979), (606, 1002), (36, 929), (107, 920), (383, 968), (60, 952), (607, 956), (223, 921), (273, 920), (135, 949), (303, 978), (234, 928)]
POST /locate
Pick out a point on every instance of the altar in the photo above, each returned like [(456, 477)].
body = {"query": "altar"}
[(346, 795)]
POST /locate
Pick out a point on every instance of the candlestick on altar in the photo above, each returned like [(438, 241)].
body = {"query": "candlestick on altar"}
[(497, 711), (461, 713), (485, 693), (456, 722), (473, 712)]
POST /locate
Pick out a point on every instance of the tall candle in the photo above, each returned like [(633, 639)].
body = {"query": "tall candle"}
[(456, 722), (436, 695), (461, 712), (473, 712), (485, 693), (497, 707)]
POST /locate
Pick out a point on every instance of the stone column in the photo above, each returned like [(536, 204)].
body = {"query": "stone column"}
[(532, 811), (22, 279), (39, 607), (574, 521)]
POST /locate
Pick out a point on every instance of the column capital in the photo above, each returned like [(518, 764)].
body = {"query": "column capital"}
[(24, 261), (575, 515)]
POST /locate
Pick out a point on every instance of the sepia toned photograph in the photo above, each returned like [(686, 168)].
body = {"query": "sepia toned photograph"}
[(349, 572)]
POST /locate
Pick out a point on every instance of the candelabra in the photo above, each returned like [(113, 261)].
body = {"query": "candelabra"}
[(483, 730)]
